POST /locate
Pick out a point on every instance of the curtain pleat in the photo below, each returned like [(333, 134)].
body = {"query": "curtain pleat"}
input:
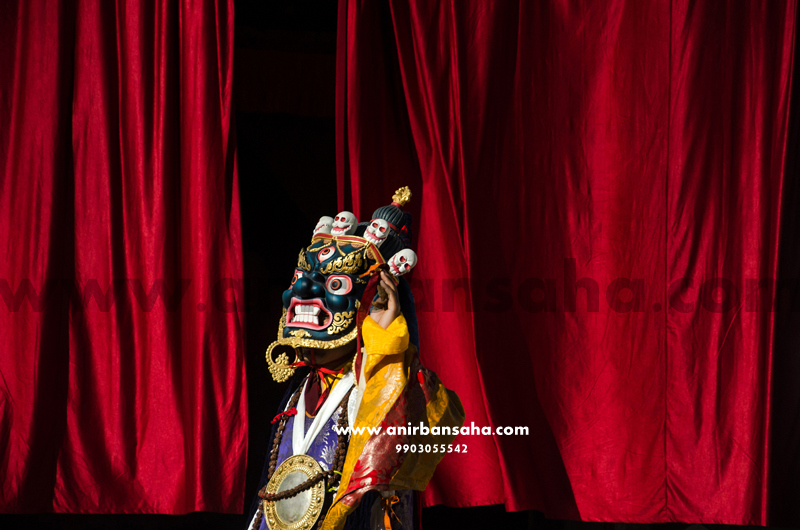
[(598, 185), (124, 391)]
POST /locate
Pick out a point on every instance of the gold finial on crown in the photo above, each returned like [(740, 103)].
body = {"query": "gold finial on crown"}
[(401, 196)]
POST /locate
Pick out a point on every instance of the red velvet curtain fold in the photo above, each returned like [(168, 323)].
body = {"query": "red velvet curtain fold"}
[(597, 185), (123, 384)]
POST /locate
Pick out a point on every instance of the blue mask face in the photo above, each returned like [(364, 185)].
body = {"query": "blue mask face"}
[(322, 301)]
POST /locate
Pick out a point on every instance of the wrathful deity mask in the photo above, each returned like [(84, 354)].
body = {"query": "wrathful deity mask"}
[(322, 301), (323, 298)]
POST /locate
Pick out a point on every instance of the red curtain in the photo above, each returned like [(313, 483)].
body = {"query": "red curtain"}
[(597, 185), (122, 358)]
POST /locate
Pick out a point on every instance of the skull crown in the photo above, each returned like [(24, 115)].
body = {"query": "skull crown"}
[(402, 262), (377, 231), (324, 225), (389, 231), (344, 224)]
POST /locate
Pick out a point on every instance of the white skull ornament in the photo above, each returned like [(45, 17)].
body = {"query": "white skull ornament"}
[(324, 225), (402, 262), (344, 224), (376, 232)]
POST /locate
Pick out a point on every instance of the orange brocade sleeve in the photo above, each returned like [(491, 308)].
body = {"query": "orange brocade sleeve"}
[(397, 390)]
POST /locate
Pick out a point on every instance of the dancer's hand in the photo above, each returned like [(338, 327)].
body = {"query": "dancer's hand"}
[(385, 317)]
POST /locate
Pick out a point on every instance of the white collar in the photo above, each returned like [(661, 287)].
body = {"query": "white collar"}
[(301, 440)]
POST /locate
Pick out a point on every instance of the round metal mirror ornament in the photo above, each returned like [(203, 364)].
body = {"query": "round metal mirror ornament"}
[(301, 511)]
